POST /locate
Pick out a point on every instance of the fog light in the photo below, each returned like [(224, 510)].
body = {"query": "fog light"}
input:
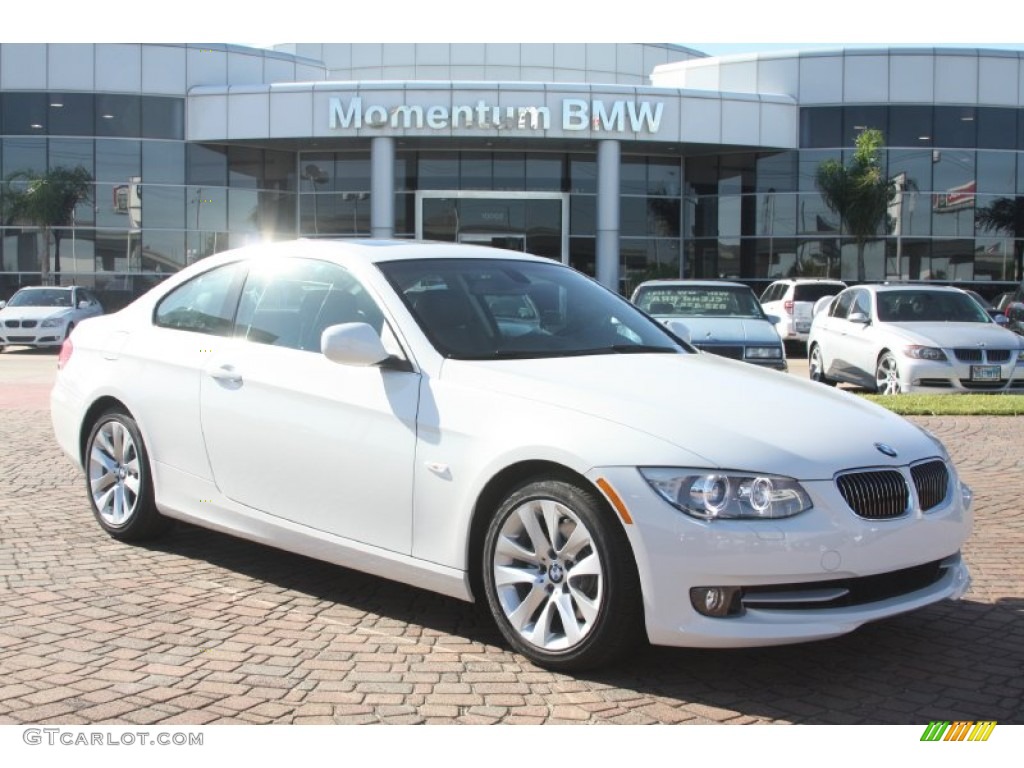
[(716, 601)]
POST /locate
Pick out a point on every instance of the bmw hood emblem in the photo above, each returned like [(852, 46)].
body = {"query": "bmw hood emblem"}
[(887, 450)]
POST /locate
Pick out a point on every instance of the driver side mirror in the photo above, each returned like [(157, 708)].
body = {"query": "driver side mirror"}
[(3, 304), (358, 344), (678, 327), (860, 318)]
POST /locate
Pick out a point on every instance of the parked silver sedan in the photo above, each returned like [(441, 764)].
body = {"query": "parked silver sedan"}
[(911, 338), (43, 316)]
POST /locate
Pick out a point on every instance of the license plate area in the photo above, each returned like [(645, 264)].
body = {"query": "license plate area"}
[(985, 373)]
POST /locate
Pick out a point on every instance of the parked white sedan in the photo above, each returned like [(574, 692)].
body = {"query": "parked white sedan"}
[(913, 338), (43, 316), (589, 477)]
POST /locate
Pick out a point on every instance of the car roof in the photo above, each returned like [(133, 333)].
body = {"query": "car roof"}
[(691, 284), (886, 287), (799, 280)]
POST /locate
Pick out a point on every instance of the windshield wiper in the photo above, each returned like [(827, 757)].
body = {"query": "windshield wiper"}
[(633, 349)]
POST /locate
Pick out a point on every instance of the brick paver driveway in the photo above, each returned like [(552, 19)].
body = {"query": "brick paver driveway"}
[(202, 628)]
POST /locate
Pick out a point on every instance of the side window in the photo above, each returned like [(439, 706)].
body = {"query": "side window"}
[(841, 306), (289, 303), (862, 303), (205, 304)]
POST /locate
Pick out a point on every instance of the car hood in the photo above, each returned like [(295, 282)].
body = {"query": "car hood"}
[(32, 313), (726, 329), (950, 335), (731, 414)]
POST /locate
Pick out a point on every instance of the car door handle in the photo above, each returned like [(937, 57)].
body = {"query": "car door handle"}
[(226, 374)]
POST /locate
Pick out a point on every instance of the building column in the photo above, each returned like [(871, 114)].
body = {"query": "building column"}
[(608, 156), (382, 187)]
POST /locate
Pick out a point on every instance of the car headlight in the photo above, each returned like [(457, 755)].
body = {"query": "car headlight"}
[(710, 495), (924, 353), (53, 322), (764, 353)]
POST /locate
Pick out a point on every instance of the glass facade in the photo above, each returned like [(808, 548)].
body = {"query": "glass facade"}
[(157, 203)]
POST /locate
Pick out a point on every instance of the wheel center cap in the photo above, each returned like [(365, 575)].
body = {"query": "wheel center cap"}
[(556, 573), (122, 473)]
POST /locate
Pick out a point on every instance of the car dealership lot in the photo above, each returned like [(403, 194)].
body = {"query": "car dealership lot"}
[(205, 628)]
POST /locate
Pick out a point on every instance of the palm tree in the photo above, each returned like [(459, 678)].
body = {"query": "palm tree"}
[(1006, 215), (47, 201), (859, 193)]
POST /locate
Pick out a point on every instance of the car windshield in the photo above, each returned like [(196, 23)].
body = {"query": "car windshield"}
[(917, 306), (46, 297), (699, 301), (490, 309)]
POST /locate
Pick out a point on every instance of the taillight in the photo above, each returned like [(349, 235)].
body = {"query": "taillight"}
[(788, 306), (65, 353)]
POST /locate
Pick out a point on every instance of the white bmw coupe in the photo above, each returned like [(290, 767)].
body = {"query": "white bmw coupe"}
[(496, 426)]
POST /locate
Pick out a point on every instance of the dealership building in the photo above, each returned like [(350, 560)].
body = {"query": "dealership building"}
[(627, 161)]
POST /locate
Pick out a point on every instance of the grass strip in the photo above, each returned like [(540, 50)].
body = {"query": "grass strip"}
[(951, 405)]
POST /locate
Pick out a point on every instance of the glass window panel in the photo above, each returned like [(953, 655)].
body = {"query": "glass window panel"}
[(243, 210), (163, 162), (951, 260), (112, 254), (25, 114), (582, 215), (203, 243), (857, 119), (245, 167), (71, 114), (777, 172), (206, 164), (632, 217), (277, 214), (440, 219), (647, 259), (663, 176), (205, 304), (544, 219), (910, 127), (809, 163), (821, 127), (405, 214), (582, 255), (163, 118), (118, 115), (279, 170), (583, 173), (705, 216), (702, 175), (163, 206), (905, 256), (813, 217), (509, 170), (993, 258), (955, 127), (910, 213), (438, 170), (997, 128), (114, 206), (71, 153), (997, 173), (545, 172), (776, 215), (633, 176), (352, 172), (913, 165), (405, 171), (476, 171), (24, 154), (663, 216), (730, 215), (77, 254), (118, 161), (162, 251), (206, 209)]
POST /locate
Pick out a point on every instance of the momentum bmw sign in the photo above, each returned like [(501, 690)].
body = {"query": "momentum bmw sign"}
[(617, 116)]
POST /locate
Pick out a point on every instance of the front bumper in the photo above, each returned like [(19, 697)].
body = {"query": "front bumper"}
[(802, 554), (32, 337), (955, 376)]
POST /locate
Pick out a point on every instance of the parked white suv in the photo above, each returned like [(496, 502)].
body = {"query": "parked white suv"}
[(792, 300)]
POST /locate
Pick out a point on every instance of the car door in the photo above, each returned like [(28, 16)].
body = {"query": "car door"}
[(829, 331), (860, 340), (294, 435)]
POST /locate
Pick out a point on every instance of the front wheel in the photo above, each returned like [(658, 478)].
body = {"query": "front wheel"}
[(816, 367), (560, 578), (119, 480), (887, 375)]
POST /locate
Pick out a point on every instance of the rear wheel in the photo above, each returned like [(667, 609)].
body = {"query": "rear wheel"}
[(119, 480), (560, 578), (887, 375), (816, 367)]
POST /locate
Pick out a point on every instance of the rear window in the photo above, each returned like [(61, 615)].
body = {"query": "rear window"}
[(815, 291)]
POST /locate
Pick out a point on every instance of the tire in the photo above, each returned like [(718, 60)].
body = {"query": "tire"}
[(816, 367), (567, 604), (119, 480), (887, 375)]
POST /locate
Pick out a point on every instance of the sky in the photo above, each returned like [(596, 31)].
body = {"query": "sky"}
[(743, 26)]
